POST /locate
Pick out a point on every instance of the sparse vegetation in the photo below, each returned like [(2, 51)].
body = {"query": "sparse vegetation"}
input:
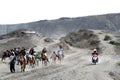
[(112, 42), (107, 37), (118, 63), (81, 39), (115, 43), (48, 40), (94, 42)]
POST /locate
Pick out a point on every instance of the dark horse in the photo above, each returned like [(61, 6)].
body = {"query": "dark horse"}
[(5, 55), (44, 60), (22, 63)]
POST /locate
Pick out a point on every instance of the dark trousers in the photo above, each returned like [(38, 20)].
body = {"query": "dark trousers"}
[(12, 67)]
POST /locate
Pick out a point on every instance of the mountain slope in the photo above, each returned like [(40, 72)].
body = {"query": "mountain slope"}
[(65, 25)]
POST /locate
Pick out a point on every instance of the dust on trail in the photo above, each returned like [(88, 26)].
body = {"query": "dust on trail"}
[(76, 65)]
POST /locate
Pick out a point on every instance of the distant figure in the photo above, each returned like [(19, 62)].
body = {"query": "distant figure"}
[(12, 62), (94, 54), (60, 53), (44, 56), (54, 57)]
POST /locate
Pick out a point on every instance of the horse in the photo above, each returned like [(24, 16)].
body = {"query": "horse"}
[(5, 55), (22, 63), (60, 56), (31, 60), (44, 59)]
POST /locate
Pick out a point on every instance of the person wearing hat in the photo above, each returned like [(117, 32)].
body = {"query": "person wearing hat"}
[(94, 52)]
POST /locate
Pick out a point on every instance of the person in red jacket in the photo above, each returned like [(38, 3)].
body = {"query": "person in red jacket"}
[(95, 53)]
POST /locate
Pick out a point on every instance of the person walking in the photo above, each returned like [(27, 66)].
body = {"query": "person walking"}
[(12, 62)]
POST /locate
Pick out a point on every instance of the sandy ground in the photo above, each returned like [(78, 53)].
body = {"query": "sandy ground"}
[(76, 65)]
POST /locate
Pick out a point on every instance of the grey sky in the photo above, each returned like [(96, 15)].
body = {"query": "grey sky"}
[(20, 11)]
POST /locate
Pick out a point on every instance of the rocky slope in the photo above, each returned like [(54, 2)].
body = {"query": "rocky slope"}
[(65, 25)]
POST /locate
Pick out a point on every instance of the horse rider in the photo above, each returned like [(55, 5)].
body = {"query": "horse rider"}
[(60, 51), (53, 56), (44, 53), (31, 51), (23, 52)]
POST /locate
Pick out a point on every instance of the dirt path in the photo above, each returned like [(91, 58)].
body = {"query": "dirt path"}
[(76, 66)]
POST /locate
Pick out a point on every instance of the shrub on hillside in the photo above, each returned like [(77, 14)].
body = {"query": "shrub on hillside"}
[(107, 37), (114, 43), (94, 42), (48, 40), (82, 39), (118, 63)]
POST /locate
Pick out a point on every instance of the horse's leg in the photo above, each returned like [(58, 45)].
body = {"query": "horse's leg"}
[(48, 60), (60, 60), (45, 62), (54, 61), (34, 63), (3, 59), (24, 68), (42, 62), (18, 61), (31, 63), (21, 68)]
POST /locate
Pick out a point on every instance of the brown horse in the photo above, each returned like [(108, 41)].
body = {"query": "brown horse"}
[(22, 63), (45, 60), (31, 60)]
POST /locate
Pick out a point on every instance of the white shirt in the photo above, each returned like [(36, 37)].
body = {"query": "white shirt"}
[(60, 52)]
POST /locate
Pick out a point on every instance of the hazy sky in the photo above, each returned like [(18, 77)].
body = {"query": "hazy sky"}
[(20, 11)]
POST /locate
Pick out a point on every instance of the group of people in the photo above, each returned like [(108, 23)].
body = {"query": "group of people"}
[(16, 53), (59, 55), (35, 57)]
